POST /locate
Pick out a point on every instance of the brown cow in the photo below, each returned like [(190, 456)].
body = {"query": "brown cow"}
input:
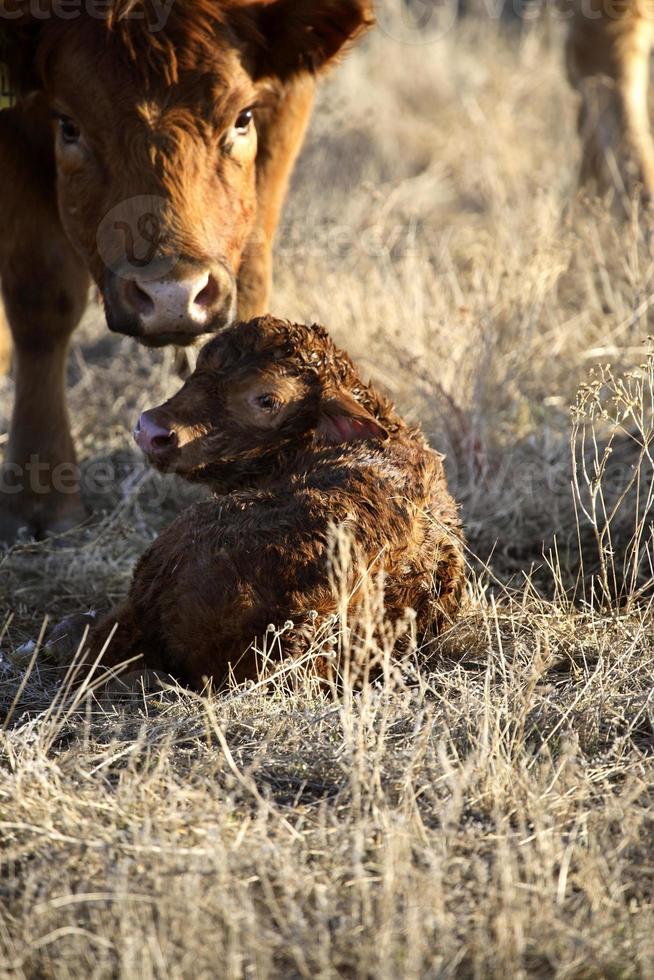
[(294, 444), (608, 49), (153, 152)]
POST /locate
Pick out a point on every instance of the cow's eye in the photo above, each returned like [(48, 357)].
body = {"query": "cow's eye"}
[(244, 121), (70, 131), (267, 402)]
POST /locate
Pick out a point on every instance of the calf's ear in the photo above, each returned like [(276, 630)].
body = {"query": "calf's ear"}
[(290, 36), (342, 419)]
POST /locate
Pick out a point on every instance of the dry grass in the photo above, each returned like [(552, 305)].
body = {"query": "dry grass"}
[(488, 810)]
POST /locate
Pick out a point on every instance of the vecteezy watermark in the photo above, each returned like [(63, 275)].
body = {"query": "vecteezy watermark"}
[(416, 21), (95, 478), (131, 235), (39, 477), (419, 22), (155, 13), (314, 237)]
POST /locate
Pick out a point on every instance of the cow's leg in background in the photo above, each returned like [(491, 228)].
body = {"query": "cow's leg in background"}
[(44, 288), (281, 129), (608, 62), (5, 342)]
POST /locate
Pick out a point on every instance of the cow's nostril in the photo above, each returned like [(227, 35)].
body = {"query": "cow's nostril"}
[(138, 299), (207, 296), (191, 304)]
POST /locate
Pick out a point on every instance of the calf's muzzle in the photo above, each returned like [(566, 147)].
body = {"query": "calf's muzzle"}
[(154, 439)]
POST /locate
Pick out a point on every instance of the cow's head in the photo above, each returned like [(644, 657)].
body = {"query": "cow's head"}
[(155, 106)]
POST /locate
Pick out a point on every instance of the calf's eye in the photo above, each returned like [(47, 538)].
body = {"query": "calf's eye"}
[(70, 131), (269, 403)]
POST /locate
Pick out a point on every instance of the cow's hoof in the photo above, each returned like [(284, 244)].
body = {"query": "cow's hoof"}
[(39, 520), (62, 523), (15, 527)]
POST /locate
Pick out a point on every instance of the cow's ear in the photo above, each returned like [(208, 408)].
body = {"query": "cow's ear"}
[(291, 36), (342, 419)]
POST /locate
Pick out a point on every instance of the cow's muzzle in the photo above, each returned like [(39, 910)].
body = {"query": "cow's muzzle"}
[(189, 301)]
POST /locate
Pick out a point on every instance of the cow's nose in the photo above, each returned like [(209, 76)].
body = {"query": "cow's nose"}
[(167, 304), (152, 438)]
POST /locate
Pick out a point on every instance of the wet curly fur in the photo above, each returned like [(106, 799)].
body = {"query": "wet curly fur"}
[(337, 456)]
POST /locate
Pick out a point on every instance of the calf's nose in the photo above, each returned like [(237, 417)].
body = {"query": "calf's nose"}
[(152, 438)]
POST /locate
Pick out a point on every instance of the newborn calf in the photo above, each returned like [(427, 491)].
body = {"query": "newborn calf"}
[(278, 423)]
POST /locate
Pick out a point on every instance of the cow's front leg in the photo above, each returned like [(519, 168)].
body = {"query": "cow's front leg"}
[(44, 290), (281, 127)]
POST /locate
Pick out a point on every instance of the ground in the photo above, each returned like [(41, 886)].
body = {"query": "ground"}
[(487, 810)]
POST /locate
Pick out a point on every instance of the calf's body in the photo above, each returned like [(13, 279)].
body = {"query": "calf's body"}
[(330, 458)]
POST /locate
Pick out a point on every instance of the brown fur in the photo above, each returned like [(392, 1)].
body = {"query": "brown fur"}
[(332, 453), (155, 114), (608, 50)]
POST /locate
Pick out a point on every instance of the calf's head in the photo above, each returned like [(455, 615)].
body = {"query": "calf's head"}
[(261, 392), (156, 105)]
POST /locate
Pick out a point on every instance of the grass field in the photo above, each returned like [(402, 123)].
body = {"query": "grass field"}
[(488, 810)]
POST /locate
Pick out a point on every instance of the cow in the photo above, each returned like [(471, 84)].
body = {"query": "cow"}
[(297, 448), (149, 151), (607, 54)]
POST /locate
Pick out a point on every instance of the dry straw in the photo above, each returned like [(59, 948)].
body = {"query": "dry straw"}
[(484, 808)]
